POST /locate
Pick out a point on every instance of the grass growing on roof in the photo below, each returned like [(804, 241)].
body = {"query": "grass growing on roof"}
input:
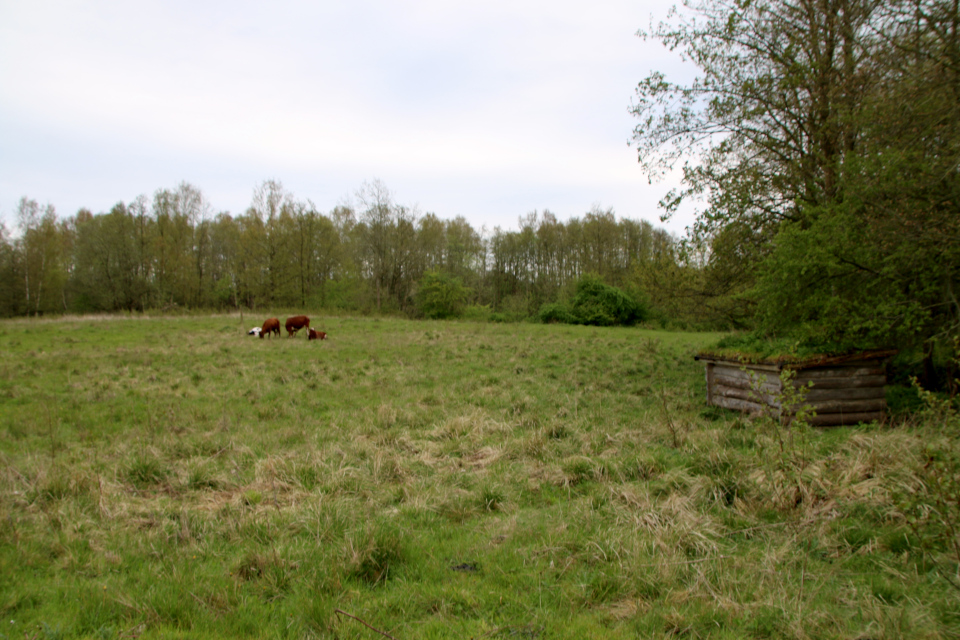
[(174, 477), (754, 348)]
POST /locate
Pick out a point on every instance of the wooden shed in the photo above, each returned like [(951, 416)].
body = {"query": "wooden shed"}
[(846, 389)]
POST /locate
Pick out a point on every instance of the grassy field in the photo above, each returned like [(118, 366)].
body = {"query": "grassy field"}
[(172, 477)]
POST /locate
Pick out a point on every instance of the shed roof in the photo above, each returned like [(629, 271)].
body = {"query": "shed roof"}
[(794, 362)]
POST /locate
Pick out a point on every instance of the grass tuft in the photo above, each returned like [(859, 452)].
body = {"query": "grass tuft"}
[(374, 553), (145, 471)]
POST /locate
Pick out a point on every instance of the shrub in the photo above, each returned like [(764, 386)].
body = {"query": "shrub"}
[(441, 295), (477, 313), (556, 312), (596, 303)]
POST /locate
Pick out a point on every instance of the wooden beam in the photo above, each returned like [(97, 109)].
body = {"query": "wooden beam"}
[(842, 383), (848, 406), (741, 405), (724, 391), (867, 393), (835, 419), (840, 372)]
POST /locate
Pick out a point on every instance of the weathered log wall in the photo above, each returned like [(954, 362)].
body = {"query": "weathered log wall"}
[(839, 394)]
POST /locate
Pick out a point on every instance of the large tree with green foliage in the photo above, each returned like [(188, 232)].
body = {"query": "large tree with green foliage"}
[(822, 135)]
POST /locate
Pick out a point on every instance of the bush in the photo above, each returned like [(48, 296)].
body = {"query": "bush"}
[(441, 295), (556, 312), (477, 313), (596, 303)]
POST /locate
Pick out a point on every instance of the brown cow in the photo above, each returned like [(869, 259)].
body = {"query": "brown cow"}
[(316, 335), (295, 323), (270, 325)]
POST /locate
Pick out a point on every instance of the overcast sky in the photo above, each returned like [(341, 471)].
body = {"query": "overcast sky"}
[(488, 109)]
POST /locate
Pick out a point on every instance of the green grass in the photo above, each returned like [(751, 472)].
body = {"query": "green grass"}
[(172, 477)]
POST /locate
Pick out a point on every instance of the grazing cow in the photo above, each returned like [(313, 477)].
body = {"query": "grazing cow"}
[(316, 335), (295, 323), (254, 332), (271, 325)]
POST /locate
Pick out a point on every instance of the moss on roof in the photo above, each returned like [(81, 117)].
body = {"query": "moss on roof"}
[(752, 349)]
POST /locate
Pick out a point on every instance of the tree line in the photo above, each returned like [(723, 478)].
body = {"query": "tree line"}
[(173, 252), (820, 137)]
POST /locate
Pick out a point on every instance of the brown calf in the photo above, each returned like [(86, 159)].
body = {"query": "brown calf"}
[(295, 323), (316, 335), (270, 325)]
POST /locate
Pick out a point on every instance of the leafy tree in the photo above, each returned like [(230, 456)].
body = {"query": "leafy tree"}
[(42, 256), (824, 136), (377, 219), (777, 105), (107, 270), (882, 266), (441, 295), (10, 280)]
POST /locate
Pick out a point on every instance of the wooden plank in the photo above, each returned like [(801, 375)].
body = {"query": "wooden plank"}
[(733, 364), (831, 384), (723, 391), (848, 406), (741, 383), (744, 372), (842, 383), (709, 374), (840, 372), (863, 357), (739, 405), (836, 419), (747, 374), (867, 393), (774, 368)]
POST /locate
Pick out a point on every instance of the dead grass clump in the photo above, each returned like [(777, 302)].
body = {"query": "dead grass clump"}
[(641, 468), (535, 446), (459, 505), (279, 472), (492, 497), (673, 524), (536, 474), (578, 469), (146, 470), (386, 416), (624, 609), (387, 468), (375, 552), (632, 497), (348, 479), (202, 476), (483, 457), (61, 484), (865, 471), (327, 522), (867, 456), (472, 427), (269, 568)]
